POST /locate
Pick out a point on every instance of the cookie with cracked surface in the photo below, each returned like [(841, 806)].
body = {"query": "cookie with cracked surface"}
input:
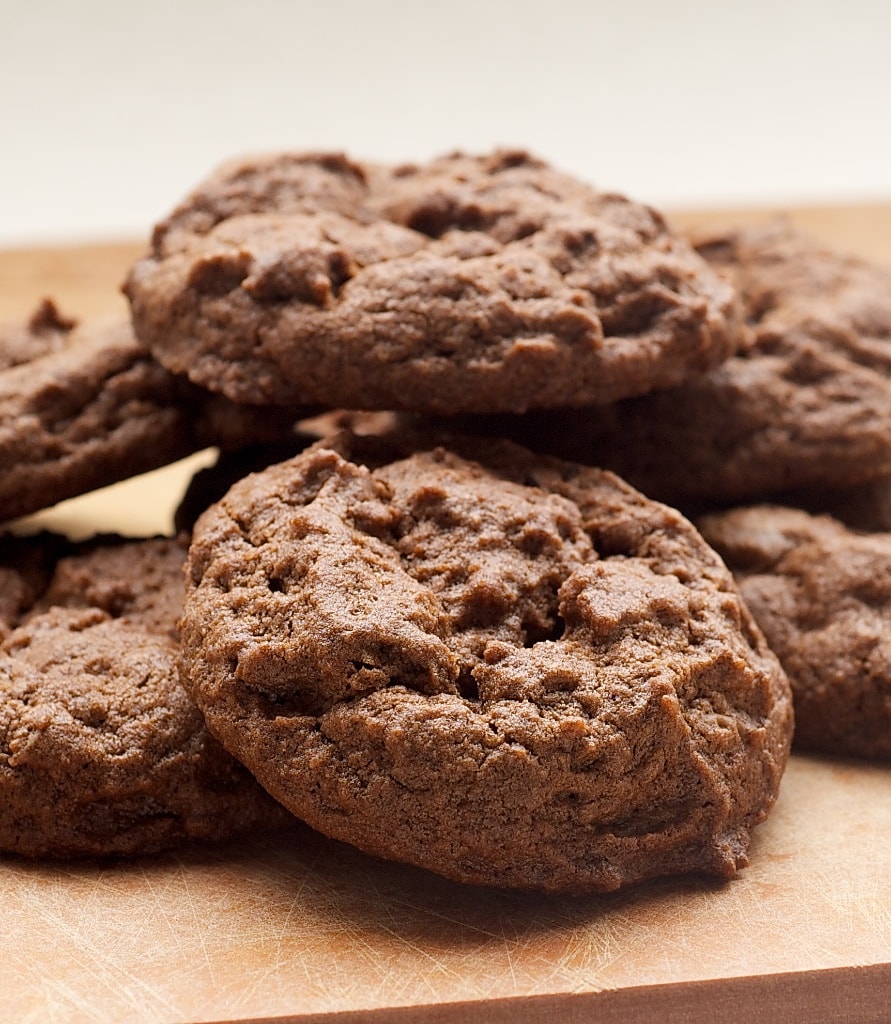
[(510, 671), (805, 404), (82, 406), (101, 750), (485, 284), (822, 595)]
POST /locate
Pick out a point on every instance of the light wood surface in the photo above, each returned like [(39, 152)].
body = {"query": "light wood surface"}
[(294, 927)]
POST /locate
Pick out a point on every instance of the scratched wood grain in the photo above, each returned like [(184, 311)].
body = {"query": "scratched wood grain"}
[(294, 927)]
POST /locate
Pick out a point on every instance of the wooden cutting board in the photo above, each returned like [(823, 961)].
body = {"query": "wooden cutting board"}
[(293, 927)]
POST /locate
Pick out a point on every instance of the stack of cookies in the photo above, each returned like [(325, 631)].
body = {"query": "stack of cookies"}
[(421, 610)]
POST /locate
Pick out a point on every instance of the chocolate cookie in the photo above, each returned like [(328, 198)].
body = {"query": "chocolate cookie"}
[(805, 403), (822, 595), (481, 284), (513, 672), (84, 406), (101, 750)]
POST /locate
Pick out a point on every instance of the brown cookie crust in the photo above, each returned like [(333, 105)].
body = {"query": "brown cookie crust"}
[(85, 406), (469, 284), (804, 404), (822, 595), (520, 674), (45, 332), (101, 750)]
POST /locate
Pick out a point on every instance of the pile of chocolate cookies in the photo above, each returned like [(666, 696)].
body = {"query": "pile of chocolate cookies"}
[(417, 605)]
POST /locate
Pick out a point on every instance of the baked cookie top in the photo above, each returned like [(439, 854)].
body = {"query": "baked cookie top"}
[(490, 283), (822, 595), (101, 750), (508, 670), (804, 404), (82, 406)]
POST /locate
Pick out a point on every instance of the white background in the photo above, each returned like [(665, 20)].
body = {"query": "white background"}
[(111, 110)]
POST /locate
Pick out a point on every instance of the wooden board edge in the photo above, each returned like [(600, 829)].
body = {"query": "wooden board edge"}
[(843, 995)]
